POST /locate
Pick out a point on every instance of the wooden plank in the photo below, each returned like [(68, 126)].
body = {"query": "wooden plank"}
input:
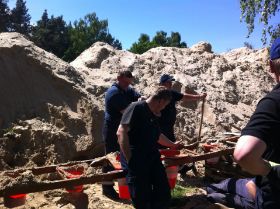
[(232, 139), (49, 185), (180, 160), (52, 168), (192, 146)]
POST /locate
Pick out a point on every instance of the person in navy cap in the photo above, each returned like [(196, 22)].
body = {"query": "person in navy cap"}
[(257, 152), (117, 99), (168, 114)]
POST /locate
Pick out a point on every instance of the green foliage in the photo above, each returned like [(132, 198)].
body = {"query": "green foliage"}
[(51, 34), (87, 31), (8, 131), (160, 39), (20, 19), (143, 45), (275, 33), (175, 40), (4, 16), (264, 9), (180, 191), (248, 45)]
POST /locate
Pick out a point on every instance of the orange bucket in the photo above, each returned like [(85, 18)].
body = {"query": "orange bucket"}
[(172, 173), (209, 148), (123, 187), (14, 200), (75, 174), (72, 172)]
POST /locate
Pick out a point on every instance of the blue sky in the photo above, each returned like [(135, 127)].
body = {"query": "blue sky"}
[(214, 21)]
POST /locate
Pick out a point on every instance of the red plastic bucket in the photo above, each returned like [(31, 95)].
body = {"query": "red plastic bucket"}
[(169, 152), (209, 148), (70, 173), (123, 189), (74, 174), (14, 200)]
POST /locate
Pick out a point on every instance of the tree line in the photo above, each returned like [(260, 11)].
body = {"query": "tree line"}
[(68, 40)]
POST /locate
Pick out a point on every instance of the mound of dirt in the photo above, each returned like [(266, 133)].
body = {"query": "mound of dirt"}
[(45, 111), (234, 81)]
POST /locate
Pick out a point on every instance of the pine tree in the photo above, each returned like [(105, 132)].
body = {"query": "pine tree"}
[(160, 39), (4, 16), (51, 34), (20, 18), (87, 31)]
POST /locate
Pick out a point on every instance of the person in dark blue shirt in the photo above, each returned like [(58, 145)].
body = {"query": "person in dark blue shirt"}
[(138, 135), (117, 98)]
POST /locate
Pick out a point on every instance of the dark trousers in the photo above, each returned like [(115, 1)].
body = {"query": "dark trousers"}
[(232, 193), (148, 183), (111, 145)]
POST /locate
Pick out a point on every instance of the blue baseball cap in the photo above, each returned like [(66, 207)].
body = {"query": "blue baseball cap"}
[(275, 49), (165, 78)]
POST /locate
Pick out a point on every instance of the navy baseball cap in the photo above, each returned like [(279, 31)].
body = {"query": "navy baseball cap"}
[(166, 77), (275, 49)]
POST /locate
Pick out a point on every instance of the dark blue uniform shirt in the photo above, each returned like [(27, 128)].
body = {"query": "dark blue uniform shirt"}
[(116, 100)]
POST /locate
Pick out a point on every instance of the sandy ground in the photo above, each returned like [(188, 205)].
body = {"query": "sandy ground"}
[(92, 197)]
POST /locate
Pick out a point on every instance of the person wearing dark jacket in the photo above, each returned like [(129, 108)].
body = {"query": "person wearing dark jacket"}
[(138, 135), (257, 152), (168, 114), (117, 98)]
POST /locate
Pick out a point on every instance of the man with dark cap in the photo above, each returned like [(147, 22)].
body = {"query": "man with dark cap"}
[(117, 98), (168, 114), (257, 152)]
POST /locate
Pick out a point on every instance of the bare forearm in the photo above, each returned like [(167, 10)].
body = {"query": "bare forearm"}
[(163, 140), (124, 142), (248, 154), (192, 97), (256, 167)]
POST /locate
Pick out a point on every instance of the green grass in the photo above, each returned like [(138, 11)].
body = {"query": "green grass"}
[(9, 131), (180, 191), (178, 196)]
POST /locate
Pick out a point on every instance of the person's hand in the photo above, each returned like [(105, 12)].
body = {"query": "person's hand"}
[(142, 98), (203, 95), (178, 145)]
